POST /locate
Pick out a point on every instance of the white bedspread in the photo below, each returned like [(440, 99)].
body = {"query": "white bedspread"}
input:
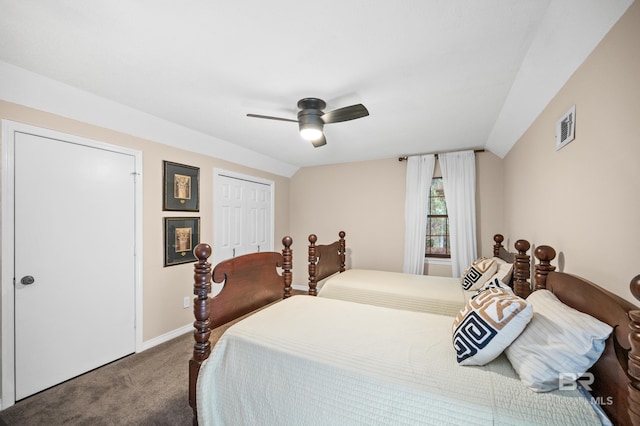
[(420, 293), (318, 361)]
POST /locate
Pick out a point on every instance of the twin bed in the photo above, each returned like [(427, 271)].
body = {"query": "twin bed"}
[(318, 360), (420, 293)]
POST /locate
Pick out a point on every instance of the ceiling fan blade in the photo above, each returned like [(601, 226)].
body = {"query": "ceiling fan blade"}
[(345, 114), (268, 117), (319, 142)]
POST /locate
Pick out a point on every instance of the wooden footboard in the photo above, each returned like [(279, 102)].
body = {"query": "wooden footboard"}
[(325, 260), (616, 375), (250, 282)]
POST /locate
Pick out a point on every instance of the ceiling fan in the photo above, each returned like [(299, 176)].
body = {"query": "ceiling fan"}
[(311, 118)]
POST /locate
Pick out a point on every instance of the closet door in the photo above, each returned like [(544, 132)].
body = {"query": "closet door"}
[(74, 260), (243, 219)]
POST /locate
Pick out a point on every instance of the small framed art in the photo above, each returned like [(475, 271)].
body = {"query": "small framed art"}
[(181, 235), (181, 190)]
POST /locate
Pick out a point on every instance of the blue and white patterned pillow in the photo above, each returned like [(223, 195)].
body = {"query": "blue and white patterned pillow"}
[(495, 283), (478, 273), (488, 324)]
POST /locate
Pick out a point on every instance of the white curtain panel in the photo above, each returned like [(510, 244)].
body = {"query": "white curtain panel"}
[(459, 180), (419, 175)]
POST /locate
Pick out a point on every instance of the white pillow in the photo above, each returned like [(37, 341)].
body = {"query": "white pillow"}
[(505, 270), (478, 273), (560, 342), (488, 324)]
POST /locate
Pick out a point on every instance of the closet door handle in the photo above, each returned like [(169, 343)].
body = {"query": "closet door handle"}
[(234, 252)]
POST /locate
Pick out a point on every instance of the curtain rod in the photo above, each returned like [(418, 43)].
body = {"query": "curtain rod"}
[(404, 157)]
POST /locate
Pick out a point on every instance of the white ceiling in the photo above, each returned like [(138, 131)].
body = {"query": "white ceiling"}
[(435, 75)]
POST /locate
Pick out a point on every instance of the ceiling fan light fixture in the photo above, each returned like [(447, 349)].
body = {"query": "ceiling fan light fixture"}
[(310, 133), (311, 126), (311, 118)]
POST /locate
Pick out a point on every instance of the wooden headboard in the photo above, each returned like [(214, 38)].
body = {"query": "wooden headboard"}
[(250, 282), (328, 259), (616, 385)]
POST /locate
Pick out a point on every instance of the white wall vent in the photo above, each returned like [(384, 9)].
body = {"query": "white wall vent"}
[(566, 128)]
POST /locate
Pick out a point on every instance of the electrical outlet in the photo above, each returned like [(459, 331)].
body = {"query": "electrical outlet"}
[(186, 303)]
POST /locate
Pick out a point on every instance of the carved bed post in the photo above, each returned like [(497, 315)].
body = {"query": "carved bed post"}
[(313, 259), (287, 264), (522, 269), (545, 255), (498, 238), (634, 356), (202, 332), (342, 250)]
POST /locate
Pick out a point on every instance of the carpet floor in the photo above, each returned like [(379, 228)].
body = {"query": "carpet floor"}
[(144, 389), (149, 388)]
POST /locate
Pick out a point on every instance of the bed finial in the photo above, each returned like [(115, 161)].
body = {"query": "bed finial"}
[(287, 265), (545, 254), (634, 286), (498, 238), (522, 269), (313, 260), (202, 332)]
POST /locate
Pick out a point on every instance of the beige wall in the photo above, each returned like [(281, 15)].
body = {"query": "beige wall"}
[(366, 200), (163, 288), (584, 200)]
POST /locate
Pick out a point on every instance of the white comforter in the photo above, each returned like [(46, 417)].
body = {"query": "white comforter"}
[(317, 361), (420, 293)]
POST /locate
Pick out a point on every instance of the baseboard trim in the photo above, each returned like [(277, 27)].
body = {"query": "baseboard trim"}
[(167, 336), (188, 328)]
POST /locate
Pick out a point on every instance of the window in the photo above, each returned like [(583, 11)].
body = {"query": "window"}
[(437, 222)]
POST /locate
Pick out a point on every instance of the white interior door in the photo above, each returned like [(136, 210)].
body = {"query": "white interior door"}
[(243, 218), (74, 234)]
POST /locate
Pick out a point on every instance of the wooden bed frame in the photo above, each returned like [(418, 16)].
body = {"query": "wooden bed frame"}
[(250, 282), (328, 259), (616, 384), (616, 374)]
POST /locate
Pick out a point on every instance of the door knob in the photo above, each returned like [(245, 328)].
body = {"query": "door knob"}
[(27, 280)]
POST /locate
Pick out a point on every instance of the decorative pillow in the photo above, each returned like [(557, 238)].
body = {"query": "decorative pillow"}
[(495, 283), (560, 343), (478, 273), (488, 324), (505, 270)]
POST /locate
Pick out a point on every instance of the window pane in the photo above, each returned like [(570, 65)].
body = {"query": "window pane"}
[(437, 205), (438, 226), (437, 239)]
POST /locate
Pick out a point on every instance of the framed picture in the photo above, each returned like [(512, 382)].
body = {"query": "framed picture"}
[(181, 235), (181, 187)]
